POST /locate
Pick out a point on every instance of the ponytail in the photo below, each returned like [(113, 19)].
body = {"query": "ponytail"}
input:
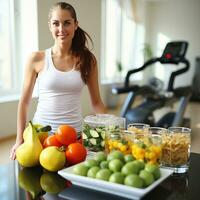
[(79, 49)]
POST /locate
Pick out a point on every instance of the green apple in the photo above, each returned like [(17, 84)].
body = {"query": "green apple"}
[(93, 171), (130, 168), (139, 163), (115, 165), (134, 181), (147, 177), (117, 177), (115, 155), (128, 158), (80, 169), (154, 169), (104, 164), (100, 156), (103, 174), (91, 163)]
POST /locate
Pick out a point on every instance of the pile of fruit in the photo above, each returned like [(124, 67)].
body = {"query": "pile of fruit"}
[(124, 161), (52, 152), (118, 168)]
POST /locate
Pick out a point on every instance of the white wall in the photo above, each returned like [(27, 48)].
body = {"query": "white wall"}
[(8, 115), (178, 20)]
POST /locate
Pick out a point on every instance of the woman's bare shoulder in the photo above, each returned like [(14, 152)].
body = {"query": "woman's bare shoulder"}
[(37, 56), (36, 61)]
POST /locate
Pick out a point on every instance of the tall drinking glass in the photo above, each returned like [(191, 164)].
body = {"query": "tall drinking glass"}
[(154, 148), (140, 133), (139, 129), (176, 149)]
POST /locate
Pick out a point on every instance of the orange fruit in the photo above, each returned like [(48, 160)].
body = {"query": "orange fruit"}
[(66, 134)]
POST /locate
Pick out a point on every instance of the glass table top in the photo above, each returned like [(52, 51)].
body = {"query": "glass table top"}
[(18, 183)]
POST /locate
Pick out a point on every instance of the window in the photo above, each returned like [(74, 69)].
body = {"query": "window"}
[(18, 38), (7, 61), (160, 69), (123, 41)]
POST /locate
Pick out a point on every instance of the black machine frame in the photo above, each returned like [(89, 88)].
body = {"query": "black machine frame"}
[(174, 53)]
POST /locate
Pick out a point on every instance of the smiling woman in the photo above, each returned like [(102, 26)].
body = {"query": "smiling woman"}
[(61, 72), (62, 25)]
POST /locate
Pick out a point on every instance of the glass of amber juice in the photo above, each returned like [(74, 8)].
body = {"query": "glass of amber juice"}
[(176, 149)]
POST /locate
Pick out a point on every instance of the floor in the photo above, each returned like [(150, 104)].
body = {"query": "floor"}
[(193, 111), (5, 146)]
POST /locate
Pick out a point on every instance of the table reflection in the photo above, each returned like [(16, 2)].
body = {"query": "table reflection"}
[(36, 182), (19, 183), (177, 185)]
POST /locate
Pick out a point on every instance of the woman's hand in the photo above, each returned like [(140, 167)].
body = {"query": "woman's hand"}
[(13, 150)]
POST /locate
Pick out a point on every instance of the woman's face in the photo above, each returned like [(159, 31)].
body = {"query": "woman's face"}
[(62, 25)]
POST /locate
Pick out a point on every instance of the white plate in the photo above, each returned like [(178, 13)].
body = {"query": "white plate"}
[(112, 188)]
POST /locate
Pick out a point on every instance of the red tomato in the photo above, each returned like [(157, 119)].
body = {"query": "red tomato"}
[(75, 153), (51, 141), (66, 134)]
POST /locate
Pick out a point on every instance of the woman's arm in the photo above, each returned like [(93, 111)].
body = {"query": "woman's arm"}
[(93, 87), (24, 102)]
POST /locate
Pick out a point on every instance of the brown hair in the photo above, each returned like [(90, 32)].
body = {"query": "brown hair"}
[(79, 43)]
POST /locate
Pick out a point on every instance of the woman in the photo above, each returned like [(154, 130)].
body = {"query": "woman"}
[(61, 72)]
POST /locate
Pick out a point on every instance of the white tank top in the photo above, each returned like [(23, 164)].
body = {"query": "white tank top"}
[(59, 99)]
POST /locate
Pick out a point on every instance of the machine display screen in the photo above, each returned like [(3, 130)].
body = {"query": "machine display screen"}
[(174, 51)]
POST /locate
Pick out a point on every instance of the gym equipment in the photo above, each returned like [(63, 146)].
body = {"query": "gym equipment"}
[(153, 97), (196, 82)]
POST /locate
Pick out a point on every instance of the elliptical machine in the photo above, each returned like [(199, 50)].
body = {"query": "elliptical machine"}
[(174, 53), (196, 82)]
